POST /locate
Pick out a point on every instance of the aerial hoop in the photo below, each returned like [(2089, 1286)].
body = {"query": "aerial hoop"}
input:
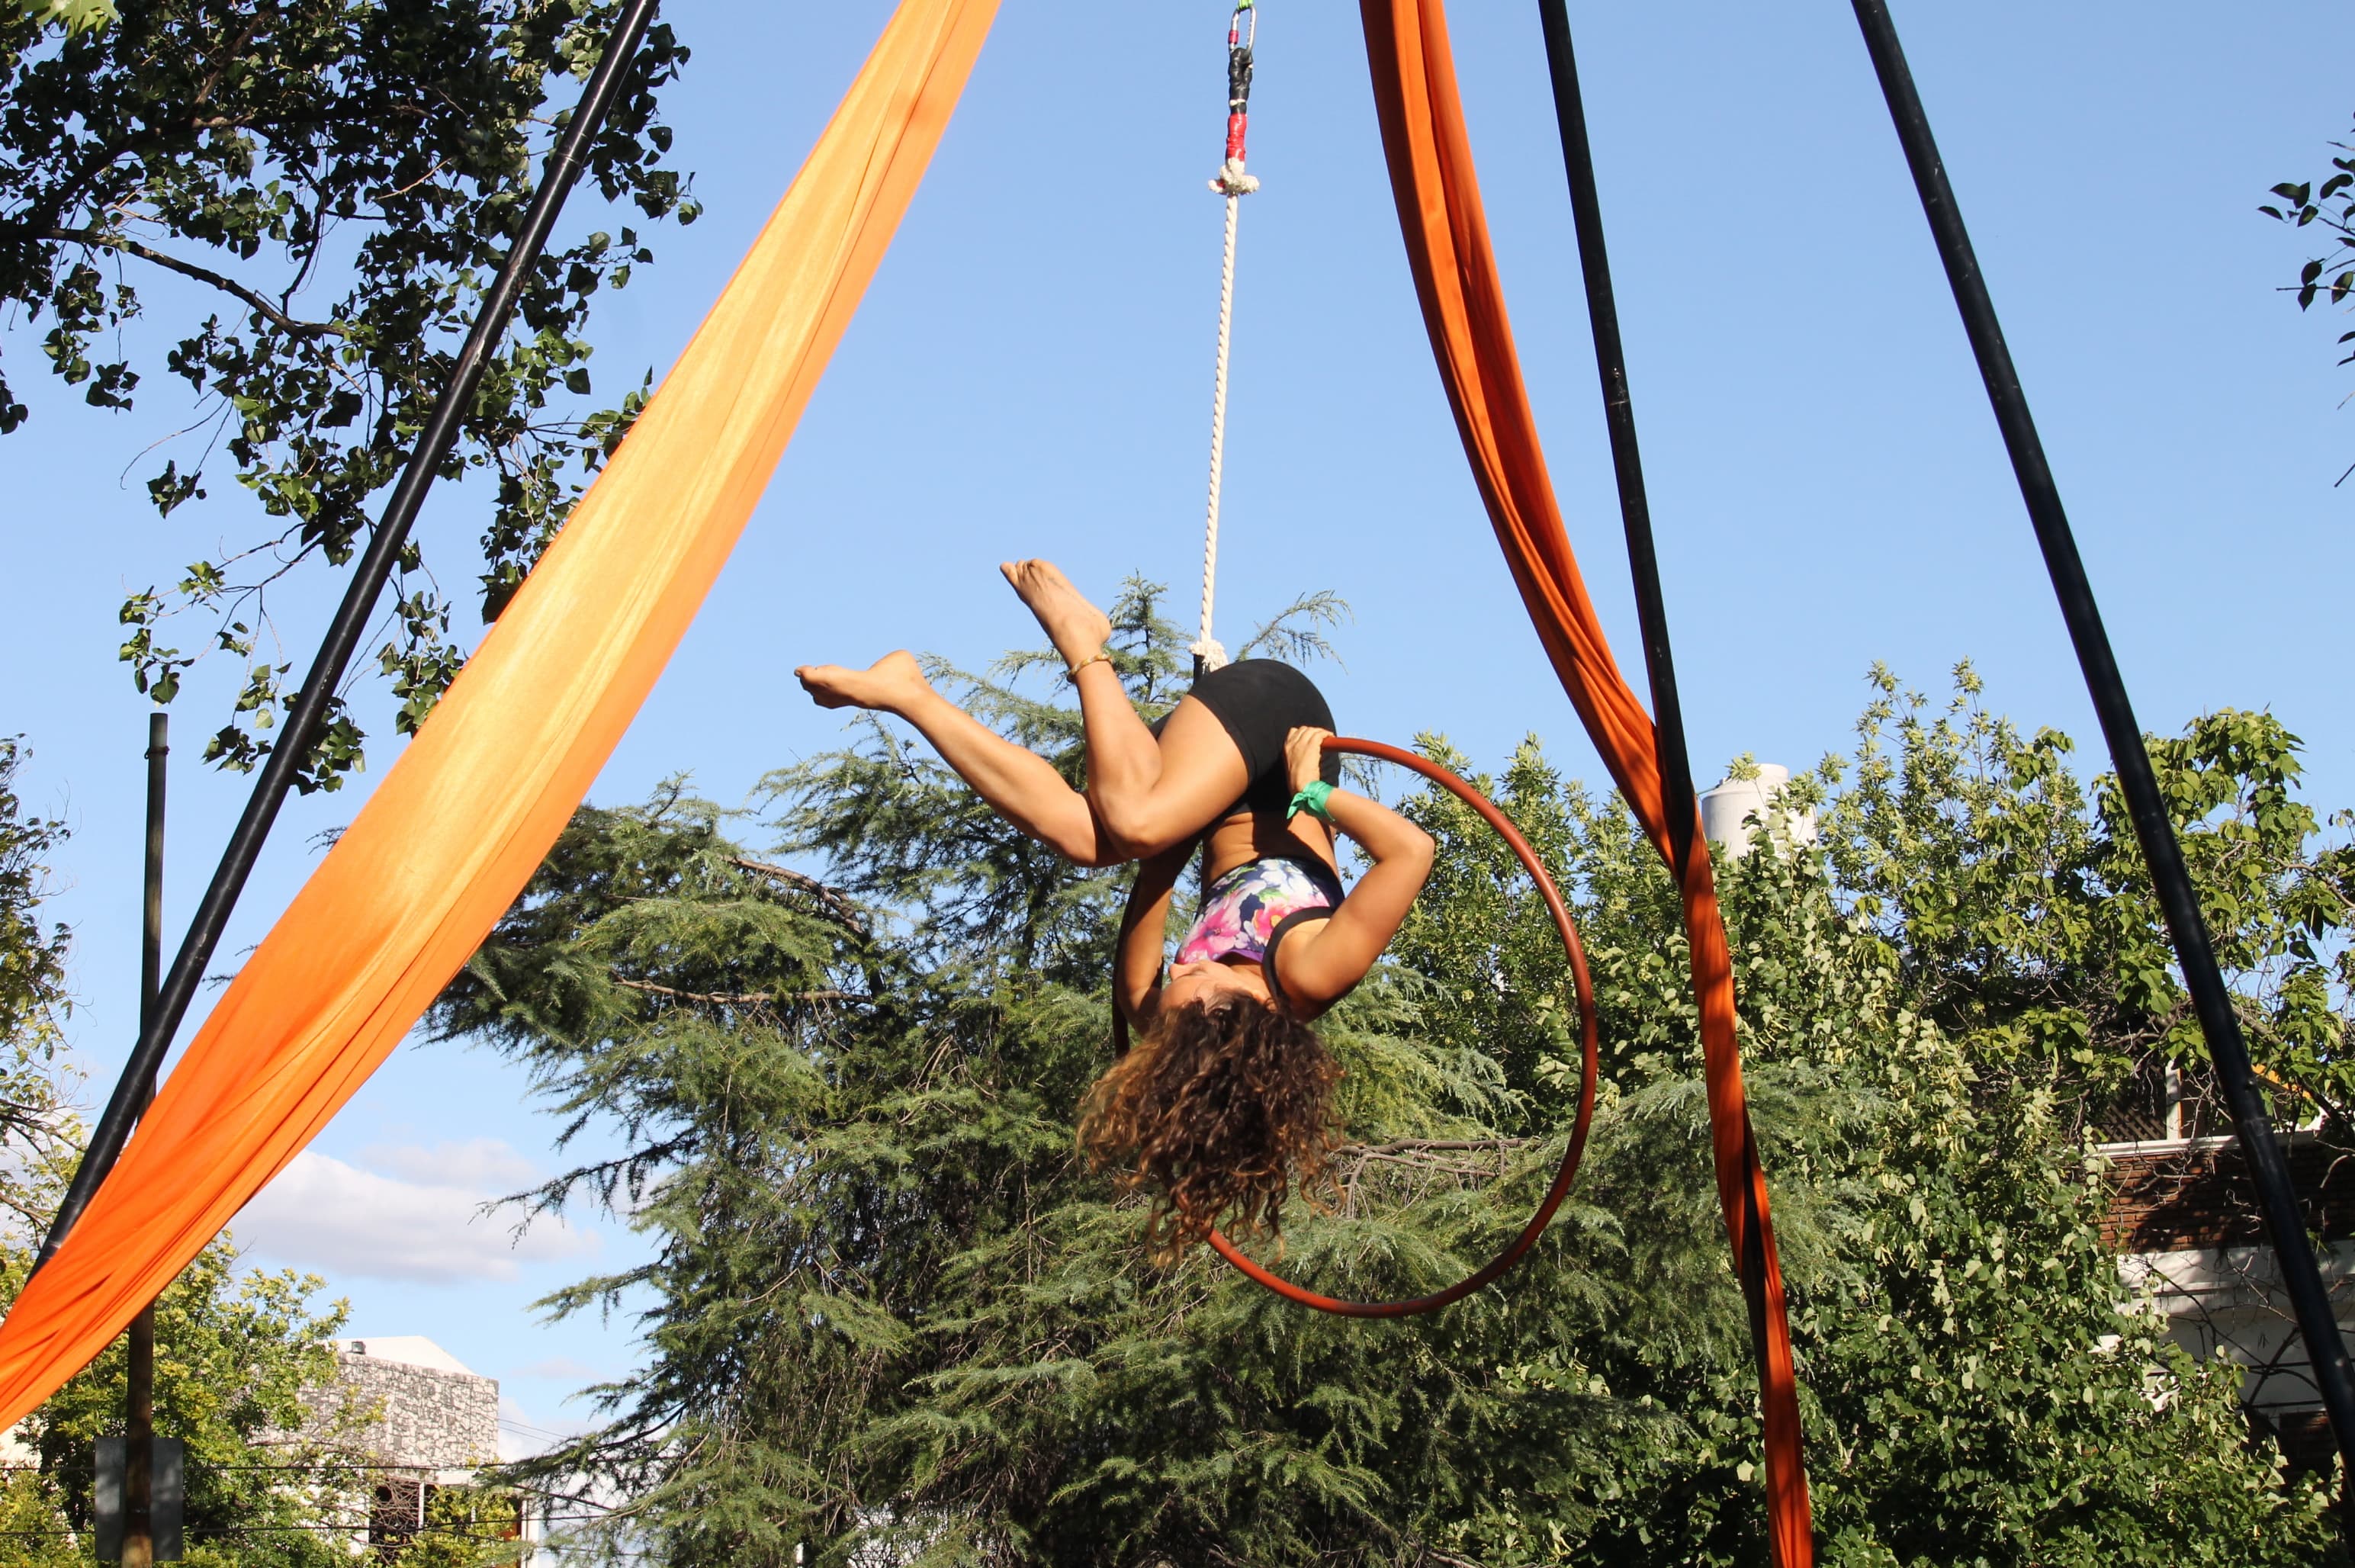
[(1589, 1051)]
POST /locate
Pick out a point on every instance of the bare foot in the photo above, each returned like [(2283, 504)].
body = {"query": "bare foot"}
[(890, 684), (1077, 628)]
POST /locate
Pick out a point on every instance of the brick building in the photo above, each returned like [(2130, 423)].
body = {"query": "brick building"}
[(2183, 1215)]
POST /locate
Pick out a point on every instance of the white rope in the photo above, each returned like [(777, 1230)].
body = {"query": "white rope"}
[(1235, 184)]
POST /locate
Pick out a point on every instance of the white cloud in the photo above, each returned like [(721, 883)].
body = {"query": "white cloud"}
[(422, 1221), (485, 1163)]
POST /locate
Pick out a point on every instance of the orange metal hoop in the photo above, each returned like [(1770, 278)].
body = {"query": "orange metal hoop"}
[(1589, 1037)]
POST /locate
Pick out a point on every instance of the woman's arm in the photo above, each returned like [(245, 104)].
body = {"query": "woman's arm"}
[(1320, 961), (1145, 932)]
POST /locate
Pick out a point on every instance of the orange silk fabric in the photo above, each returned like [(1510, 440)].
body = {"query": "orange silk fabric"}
[(459, 824), (1463, 307)]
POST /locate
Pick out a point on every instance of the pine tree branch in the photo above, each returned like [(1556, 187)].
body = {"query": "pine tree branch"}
[(1423, 1156), (836, 904), (739, 999), (1419, 1162), (1416, 1146)]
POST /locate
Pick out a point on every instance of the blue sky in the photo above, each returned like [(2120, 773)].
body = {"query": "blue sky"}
[(1029, 375)]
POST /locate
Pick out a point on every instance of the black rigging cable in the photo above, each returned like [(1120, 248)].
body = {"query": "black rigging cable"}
[(2211, 998), (1619, 416), (1643, 556)]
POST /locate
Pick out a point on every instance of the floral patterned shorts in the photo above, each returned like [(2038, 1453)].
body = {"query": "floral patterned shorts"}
[(1240, 909)]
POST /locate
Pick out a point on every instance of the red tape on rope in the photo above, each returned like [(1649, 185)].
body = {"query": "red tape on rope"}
[(1589, 1046)]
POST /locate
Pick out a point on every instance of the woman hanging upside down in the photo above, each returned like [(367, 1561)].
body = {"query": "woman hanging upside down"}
[(1225, 1098)]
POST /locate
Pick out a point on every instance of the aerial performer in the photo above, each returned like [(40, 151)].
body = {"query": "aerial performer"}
[(1224, 1101)]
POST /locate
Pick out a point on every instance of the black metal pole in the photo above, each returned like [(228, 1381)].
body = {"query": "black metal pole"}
[(2210, 996), (151, 913), (1619, 418), (1635, 514), (139, 1354), (352, 616)]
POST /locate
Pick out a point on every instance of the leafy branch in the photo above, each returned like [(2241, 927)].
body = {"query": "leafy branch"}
[(375, 159), (276, 317), (2333, 206)]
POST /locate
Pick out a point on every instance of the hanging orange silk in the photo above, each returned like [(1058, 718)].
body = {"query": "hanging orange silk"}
[(1463, 308), (461, 821)]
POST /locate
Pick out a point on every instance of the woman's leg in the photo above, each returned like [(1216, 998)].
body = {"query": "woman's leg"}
[(1020, 785), (1149, 794), (1144, 794)]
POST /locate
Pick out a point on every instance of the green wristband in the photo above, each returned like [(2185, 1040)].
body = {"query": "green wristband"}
[(1311, 800)]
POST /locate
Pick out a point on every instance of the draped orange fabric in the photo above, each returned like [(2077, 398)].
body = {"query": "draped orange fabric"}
[(1463, 308), (466, 816)]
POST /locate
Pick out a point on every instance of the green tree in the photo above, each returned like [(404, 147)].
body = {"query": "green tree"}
[(236, 1351), (33, 1000), (315, 194), (888, 1306), (2016, 900)]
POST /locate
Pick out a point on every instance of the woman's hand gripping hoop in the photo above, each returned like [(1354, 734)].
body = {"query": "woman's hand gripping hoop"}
[(1589, 1049)]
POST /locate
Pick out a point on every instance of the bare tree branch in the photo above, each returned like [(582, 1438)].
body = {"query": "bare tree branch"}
[(228, 285), (836, 904), (739, 999)]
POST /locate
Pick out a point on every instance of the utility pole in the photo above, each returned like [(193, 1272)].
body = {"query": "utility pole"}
[(139, 1404)]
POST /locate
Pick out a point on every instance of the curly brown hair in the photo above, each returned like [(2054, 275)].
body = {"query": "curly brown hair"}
[(1221, 1107)]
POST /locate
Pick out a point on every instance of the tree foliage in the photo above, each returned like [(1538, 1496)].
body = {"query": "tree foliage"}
[(235, 1351), (314, 194), (32, 999), (889, 1311), (2015, 897)]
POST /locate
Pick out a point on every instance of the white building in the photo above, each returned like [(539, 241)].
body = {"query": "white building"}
[(426, 1423)]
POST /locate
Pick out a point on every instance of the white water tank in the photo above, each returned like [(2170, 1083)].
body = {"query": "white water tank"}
[(1733, 813)]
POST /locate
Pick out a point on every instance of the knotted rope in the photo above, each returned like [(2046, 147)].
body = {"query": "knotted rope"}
[(1232, 182)]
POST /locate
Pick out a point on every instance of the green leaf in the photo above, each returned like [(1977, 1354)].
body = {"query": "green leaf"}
[(74, 16)]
